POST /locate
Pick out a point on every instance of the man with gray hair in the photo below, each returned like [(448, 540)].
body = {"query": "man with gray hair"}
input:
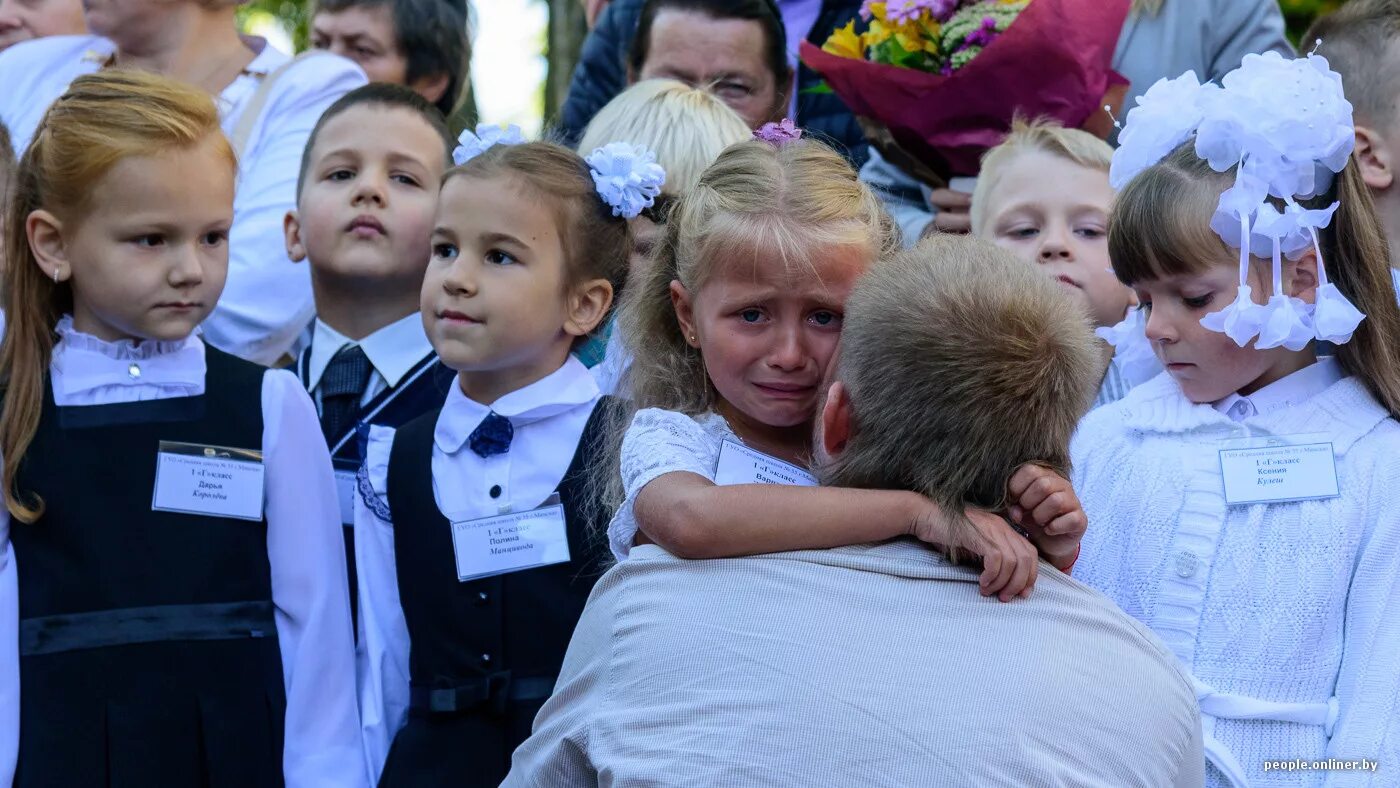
[(882, 664)]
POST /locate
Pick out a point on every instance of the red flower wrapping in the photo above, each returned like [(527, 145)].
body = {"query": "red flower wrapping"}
[(1054, 61)]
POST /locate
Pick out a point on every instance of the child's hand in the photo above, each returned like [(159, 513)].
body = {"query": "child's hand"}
[(1044, 503), (1009, 560)]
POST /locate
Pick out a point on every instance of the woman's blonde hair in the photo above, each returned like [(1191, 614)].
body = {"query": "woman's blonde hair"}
[(1040, 136), (102, 119), (687, 128), (1160, 227)]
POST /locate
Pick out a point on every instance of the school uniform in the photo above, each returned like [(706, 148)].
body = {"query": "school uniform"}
[(1282, 611), (390, 377), (451, 671), (168, 648)]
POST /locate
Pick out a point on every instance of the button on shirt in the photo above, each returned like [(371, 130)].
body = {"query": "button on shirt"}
[(392, 350), (1284, 393), (548, 418)]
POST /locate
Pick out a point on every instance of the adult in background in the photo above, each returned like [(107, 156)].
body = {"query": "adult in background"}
[(882, 664), (21, 20), (268, 104), (421, 44), (745, 51), (1161, 38)]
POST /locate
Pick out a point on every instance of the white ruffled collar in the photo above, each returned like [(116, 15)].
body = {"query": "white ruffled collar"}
[(71, 339), (85, 366), (1345, 409)]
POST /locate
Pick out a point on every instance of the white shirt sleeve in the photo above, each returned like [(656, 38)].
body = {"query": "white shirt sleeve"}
[(267, 301), (9, 654), (382, 654), (658, 442), (1368, 684), (306, 550)]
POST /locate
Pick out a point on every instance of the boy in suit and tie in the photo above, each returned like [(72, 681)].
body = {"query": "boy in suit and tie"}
[(366, 200)]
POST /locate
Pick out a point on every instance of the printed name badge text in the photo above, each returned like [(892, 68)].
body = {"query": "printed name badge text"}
[(1278, 474), (209, 480), (345, 494), (511, 542), (738, 464)]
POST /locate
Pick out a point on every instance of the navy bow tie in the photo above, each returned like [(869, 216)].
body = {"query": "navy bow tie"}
[(492, 436)]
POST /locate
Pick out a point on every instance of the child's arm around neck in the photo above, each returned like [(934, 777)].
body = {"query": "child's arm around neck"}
[(692, 517)]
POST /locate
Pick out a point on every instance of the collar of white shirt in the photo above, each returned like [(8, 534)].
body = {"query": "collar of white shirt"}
[(562, 390), (1290, 390), (83, 363), (393, 350)]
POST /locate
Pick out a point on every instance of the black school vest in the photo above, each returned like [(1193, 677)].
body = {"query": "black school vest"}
[(485, 653), (148, 648)]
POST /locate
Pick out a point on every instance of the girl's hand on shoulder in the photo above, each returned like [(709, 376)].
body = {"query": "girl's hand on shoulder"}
[(1010, 562), (1043, 502)]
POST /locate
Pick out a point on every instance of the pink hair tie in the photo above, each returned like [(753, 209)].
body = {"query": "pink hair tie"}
[(779, 134)]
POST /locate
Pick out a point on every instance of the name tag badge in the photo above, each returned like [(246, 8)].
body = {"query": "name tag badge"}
[(345, 493), (514, 542), (738, 464), (1279, 470), (209, 480)]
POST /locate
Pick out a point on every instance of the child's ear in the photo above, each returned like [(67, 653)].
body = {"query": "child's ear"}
[(1303, 283), (685, 313), (836, 420), (45, 234), (431, 87), (588, 305), (1373, 159), (291, 229)]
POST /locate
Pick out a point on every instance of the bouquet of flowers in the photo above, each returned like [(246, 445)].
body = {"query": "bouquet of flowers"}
[(936, 83)]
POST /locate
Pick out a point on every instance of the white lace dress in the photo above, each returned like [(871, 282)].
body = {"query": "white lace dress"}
[(660, 442)]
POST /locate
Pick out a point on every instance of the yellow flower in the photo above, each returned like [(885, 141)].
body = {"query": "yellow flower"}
[(878, 33), (910, 39), (845, 43), (877, 11)]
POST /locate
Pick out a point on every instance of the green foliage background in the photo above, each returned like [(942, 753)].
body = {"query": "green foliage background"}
[(1301, 13)]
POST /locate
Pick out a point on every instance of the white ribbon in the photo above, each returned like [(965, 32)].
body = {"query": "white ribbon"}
[(1222, 706)]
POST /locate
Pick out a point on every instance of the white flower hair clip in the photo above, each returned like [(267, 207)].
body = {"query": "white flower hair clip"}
[(627, 177), (1286, 128), (487, 135)]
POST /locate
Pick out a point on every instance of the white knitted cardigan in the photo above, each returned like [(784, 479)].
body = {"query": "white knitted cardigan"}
[(1282, 611)]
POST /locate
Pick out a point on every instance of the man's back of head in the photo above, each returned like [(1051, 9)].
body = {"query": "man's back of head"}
[(883, 664), (962, 363)]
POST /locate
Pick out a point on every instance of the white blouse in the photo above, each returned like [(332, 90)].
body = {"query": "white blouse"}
[(548, 418), (267, 302), (304, 547)]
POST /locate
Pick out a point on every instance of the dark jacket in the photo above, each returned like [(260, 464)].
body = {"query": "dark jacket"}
[(602, 74)]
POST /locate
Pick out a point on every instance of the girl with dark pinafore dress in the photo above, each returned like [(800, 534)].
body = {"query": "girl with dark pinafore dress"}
[(473, 542), (172, 588)]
